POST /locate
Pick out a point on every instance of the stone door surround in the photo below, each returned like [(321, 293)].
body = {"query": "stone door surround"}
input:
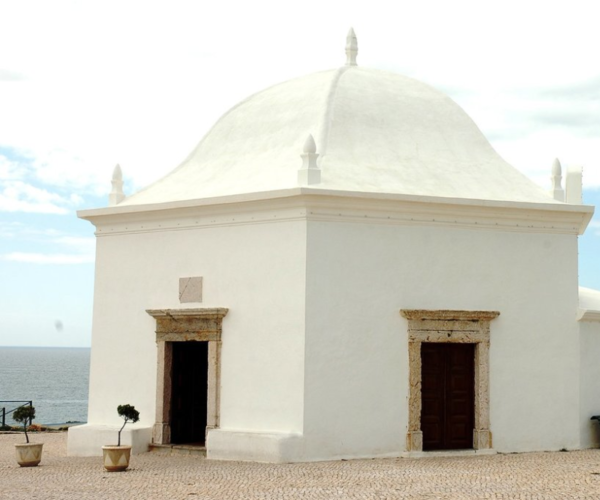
[(182, 325), (470, 327)]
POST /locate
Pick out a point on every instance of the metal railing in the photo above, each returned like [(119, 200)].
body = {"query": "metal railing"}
[(4, 411)]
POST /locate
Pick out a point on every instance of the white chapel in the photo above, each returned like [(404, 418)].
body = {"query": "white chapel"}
[(343, 267)]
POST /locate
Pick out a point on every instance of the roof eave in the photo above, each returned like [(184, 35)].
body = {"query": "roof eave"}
[(577, 216)]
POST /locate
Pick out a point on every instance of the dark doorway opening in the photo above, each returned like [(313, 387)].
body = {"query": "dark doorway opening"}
[(189, 392), (447, 395)]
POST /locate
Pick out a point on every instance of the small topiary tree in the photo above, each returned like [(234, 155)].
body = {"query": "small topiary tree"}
[(24, 415), (129, 414)]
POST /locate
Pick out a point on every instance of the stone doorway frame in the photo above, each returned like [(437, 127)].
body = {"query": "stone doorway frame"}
[(184, 325), (466, 327)]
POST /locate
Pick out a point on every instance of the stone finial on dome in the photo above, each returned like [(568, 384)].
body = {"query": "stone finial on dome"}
[(116, 195), (309, 173), (557, 191), (351, 48)]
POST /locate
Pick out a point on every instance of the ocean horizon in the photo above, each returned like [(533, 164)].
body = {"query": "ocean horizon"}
[(55, 379)]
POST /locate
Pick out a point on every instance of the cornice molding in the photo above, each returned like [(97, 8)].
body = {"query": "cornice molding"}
[(588, 315), (314, 205)]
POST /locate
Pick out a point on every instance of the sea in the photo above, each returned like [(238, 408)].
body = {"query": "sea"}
[(55, 379)]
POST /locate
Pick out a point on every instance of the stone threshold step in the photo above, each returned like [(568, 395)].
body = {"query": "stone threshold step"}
[(179, 449)]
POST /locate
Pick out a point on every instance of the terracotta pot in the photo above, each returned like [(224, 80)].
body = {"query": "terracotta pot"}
[(116, 458), (29, 454)]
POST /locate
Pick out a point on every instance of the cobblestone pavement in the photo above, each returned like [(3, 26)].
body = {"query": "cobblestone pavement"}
[(567, 475)]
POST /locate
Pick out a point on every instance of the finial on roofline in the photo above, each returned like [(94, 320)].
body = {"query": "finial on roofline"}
[(309, 145), (557, 191), (309, 173), (116, 195), (351, 48)]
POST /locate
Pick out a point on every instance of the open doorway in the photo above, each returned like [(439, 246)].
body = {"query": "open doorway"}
[(188, 374), (189, 392)]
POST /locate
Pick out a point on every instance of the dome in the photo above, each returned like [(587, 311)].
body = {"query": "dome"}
[(375, 132)]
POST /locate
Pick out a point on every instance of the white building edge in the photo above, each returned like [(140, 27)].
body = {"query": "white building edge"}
[(343, 268)]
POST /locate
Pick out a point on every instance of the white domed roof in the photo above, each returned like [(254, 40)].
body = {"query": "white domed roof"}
[(375, 132)]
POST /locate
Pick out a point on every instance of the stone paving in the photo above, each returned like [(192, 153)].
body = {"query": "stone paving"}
[(567, 475)]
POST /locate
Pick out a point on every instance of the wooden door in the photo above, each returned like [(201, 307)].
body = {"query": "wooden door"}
[(447, 392), (189, 392)]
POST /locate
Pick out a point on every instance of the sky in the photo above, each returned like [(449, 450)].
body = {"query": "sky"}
[(85, 85)]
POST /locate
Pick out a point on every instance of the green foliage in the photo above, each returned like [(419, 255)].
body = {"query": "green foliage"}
[(129, 414), (23, 415)]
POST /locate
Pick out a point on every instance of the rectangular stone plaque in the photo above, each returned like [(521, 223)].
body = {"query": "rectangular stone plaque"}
[(190, 289)]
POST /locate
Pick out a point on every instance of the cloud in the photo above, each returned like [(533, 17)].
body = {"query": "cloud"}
[(42, 235), (536, 153), (86, 245), (585, 90), (59, 247), (19, 191), (595, 225), (40, 258), (575, 107), (10, 230), (18, 196), (10, 76), (10, 170), (13, 229), (530, 126), (581, 120)]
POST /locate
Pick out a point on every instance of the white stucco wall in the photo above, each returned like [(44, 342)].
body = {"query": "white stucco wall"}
[(361, 275), (590, 383), (255, 270), (314, 359)]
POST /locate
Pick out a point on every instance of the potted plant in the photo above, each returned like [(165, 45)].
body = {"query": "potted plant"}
[(28, 454), (116, 457)]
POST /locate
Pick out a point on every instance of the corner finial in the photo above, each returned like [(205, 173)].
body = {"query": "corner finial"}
[(351, 48), (309, 173), (116, 195), (557, 191), (556, 168), (117, 173), (309, 145)]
